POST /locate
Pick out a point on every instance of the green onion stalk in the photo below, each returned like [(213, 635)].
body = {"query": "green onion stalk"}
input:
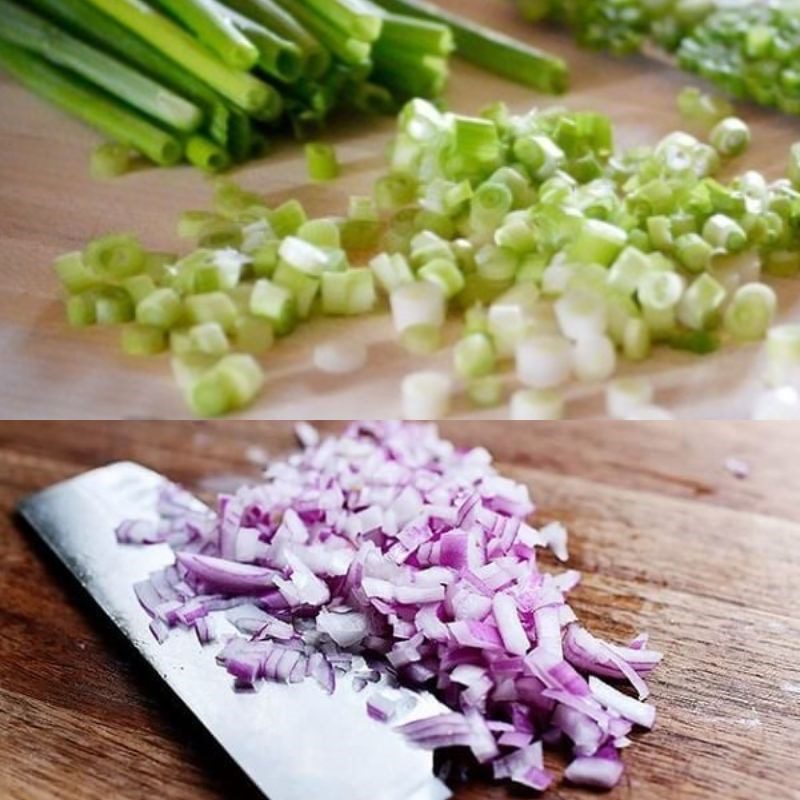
[(83, 101)]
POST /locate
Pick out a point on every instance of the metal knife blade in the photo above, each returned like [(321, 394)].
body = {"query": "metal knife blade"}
[(295, 742)]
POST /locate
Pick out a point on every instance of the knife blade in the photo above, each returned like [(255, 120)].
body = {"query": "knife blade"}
[(295, 742)]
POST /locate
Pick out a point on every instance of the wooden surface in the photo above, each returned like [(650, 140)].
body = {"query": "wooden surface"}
[(49, 205), (668, 540)]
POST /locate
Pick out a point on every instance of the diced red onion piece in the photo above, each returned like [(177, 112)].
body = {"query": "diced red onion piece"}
[(159, 629), (642, 714), (509, 626), (227, 576), (602, 773), (346, 629)]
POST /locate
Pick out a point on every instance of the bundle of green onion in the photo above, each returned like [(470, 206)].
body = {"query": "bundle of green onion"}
[(202, 80), (562, 256), (749, 48)]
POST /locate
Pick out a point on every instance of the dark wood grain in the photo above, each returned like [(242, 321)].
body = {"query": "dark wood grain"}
[(668, 540)]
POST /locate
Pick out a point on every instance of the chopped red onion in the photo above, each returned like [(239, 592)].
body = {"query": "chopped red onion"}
[(603, 773), (637, 712), (390, 544)]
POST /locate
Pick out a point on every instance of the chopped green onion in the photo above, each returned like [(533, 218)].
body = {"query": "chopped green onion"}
[(594, 358), (81, 309), (265, 258), (517, 236), (209, 338), (730, 137), (512, 315), (229, 385), (597, 242), (659, 229), (362, 209), (274, 303), (698, 342), (540, 154), (486, 392), (580, 313), (360, 234), (694, 252), (445, 274), (751, 311), (321, 233), (473, 356), (724, 233), (701, 303), (303, 256), (348, 293), (287, 219), (427, 246), (115, 256), (161, 309), (415, 304), (143, 340), (253, 335), (192, 224), (628, 269), (220, 233), (395, 191), (391, 271), (489, 205), (321, 161), (659, 294), (497, 264), (544, 361), (139, 287), (636, 339), (73, 273), (211, 307), (303, 287), (112, 306)]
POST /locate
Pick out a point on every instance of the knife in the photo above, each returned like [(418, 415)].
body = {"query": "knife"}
[(295, 742)]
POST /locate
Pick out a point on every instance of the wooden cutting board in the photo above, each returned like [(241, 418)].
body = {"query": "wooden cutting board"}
[(668, 540), (49, 205)]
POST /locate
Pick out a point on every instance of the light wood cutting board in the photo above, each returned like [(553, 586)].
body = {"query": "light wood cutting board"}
[(667, 539), (49, 204)]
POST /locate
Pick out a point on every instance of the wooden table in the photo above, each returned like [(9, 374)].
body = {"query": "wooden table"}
[(669, 541), (49, 205)]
